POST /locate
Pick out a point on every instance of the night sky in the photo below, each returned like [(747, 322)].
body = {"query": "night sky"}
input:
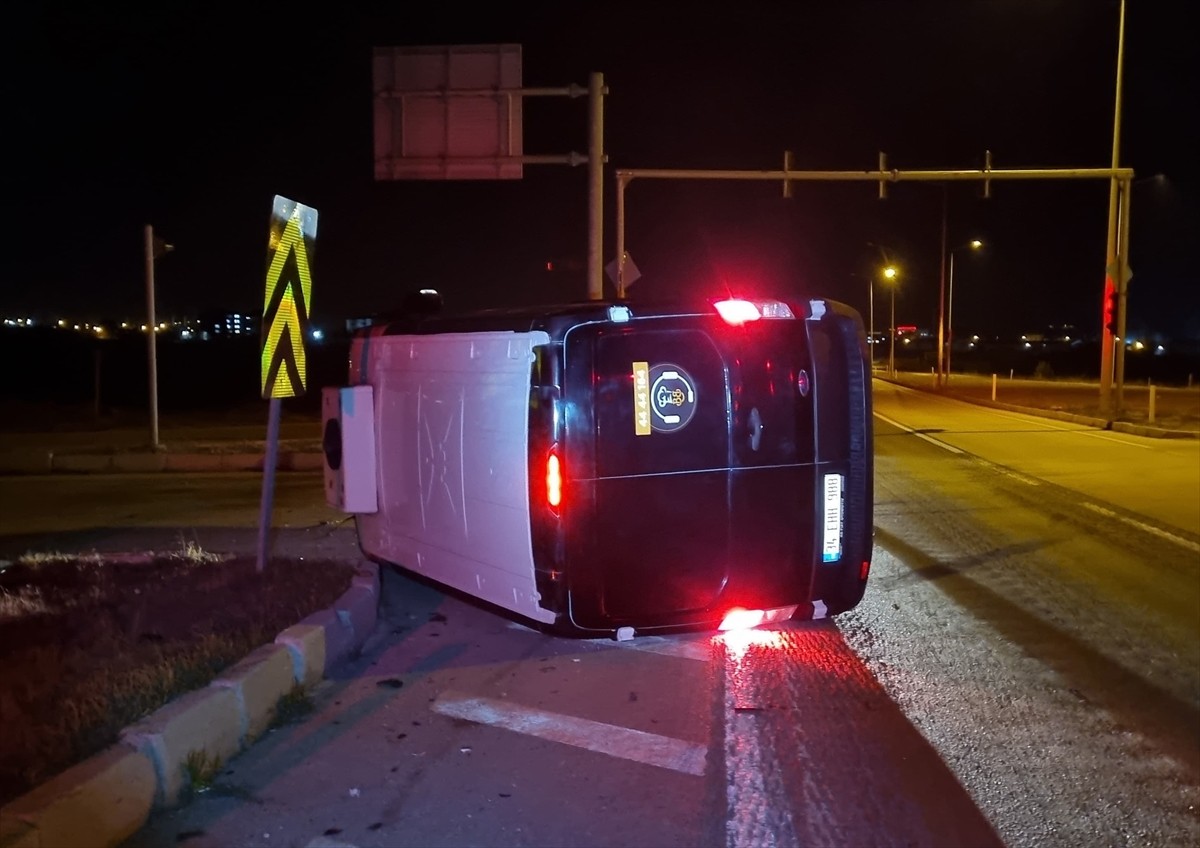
[(192, 116)]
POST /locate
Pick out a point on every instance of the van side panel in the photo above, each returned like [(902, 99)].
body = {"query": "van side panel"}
[(452, 430)]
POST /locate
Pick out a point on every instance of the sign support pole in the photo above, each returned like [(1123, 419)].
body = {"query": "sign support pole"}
[(151, 337), (270, 460), (595, 269)]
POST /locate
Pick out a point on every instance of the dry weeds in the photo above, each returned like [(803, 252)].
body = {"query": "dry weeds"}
[(88, 645)]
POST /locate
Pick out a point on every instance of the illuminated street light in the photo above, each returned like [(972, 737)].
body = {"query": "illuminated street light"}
[(890, 274), (973, 244)]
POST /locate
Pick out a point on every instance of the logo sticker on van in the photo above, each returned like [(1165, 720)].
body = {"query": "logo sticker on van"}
[(672, 398)]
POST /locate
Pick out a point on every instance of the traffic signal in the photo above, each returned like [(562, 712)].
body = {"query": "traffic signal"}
[(1110, 310)]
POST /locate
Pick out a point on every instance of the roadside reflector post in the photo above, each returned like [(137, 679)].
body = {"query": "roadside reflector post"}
[(993, 387), (1150, 416)]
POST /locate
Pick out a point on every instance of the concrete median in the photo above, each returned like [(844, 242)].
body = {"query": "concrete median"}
[(105, 799)]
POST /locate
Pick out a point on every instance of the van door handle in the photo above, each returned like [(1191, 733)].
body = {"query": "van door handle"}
[(756, 428)]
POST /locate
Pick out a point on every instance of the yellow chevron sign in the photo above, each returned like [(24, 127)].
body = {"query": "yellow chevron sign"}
[(288, 297)]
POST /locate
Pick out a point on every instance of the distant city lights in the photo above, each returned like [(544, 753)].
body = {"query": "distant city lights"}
[(231, 324)]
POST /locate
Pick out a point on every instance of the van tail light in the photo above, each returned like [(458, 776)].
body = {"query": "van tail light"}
[(553, 480), (736, 311), (744, 619)]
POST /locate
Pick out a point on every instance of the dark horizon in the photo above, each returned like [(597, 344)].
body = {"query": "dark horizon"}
[(190, 122)]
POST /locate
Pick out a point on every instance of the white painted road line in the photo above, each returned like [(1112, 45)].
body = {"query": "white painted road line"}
[(613, 740), (913, 432), (1081, 429), (1162, 534)]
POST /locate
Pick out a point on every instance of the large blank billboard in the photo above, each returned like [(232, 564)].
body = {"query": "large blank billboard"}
[(447, 113)]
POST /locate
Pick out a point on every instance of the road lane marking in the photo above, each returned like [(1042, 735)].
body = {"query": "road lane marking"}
[(1081, 429), (613, 740), (1162, 534), (1024, 418), (1015, 475), (913, 432)]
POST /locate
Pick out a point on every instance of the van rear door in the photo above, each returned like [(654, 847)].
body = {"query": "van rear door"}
[(648, 454), (773, 503)]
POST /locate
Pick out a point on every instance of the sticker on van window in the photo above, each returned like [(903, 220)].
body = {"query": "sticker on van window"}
[(641, 398), (672, 398)]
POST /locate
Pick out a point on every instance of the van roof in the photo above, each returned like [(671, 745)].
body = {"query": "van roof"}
[(555, 319)]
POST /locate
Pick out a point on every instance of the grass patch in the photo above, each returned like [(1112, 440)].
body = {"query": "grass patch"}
[(292, 707), (90, 645), (202, 769)]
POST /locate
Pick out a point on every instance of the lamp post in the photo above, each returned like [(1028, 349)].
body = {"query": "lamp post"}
[(889, 273), (871, 326), (973, 244)]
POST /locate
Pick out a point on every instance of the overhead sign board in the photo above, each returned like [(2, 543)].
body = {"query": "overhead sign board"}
[(447, 113), (288, 298)]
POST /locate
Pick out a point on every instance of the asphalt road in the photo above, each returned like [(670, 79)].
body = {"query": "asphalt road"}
[(1156, 479), (1024, 671)]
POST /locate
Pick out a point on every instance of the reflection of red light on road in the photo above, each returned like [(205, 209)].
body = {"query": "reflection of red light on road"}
[(739, 642)]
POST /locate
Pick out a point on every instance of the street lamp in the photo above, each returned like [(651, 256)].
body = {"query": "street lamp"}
[(889, 274), (973, 244)]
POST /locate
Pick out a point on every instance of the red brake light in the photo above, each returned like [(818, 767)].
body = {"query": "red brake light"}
[(739, 618), (553, 480), (737, 312)]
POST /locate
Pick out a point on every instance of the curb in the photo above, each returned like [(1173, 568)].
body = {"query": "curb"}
[(1087, 421), (109, 797), (1127, 427)]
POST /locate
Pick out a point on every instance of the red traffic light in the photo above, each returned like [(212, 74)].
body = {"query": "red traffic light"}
[(1110, 308)]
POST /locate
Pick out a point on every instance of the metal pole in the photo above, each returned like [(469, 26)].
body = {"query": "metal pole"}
[(871, 302), (1106, 337), (950, 319), (941, 349), (892, 333), (622, 182), (97, 355), (596, 188), (270, 460), (1122, 294), (151, 340)]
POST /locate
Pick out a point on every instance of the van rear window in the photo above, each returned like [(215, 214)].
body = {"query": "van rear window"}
[(661, 400)]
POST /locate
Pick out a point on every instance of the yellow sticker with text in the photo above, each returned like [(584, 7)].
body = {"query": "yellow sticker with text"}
[(641, 398)]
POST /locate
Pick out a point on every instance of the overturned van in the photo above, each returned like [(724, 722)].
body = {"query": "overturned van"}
[(615, 468)]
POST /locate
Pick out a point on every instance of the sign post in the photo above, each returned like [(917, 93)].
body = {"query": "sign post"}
[(286, 305), (155, 248), (455, 112)]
